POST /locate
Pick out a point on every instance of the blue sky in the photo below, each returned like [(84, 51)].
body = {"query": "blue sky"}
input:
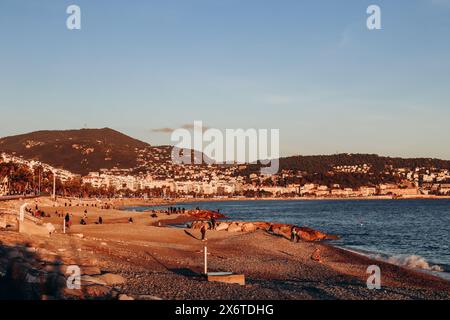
[(309, 68)]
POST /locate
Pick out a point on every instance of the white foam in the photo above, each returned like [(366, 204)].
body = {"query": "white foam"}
[(414, 262), (411, 261)]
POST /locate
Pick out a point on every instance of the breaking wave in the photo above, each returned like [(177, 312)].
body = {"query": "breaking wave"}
[(414, 262)]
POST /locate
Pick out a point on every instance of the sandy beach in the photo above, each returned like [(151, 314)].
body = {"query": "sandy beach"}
[(149, 259)]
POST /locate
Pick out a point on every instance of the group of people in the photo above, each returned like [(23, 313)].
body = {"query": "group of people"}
[(37, 213), (83, 220), (102, 206), (175, 210)]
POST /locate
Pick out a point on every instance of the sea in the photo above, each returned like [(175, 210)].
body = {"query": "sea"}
[(412, 233)]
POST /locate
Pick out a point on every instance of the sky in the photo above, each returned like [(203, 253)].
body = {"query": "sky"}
[(310, 68)]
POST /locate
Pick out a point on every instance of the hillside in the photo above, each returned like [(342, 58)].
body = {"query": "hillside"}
[(324, 163), (79, 151)]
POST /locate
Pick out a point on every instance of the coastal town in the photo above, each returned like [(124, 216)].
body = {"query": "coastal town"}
[(164, 179)]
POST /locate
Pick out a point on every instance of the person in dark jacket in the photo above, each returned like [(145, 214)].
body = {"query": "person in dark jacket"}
[(203, 232)]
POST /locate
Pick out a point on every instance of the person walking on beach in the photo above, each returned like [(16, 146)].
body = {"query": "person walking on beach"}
[(203, 231), (67, 220), (213, 223), (295, 234)]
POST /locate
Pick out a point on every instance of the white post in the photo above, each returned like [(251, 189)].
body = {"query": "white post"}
[(54, 186), (64, 225), (22, 212), (206, 260)]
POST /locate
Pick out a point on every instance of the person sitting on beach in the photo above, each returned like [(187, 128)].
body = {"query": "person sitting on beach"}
[(316, 256), (130, 220), (100, 220), (83, 222)]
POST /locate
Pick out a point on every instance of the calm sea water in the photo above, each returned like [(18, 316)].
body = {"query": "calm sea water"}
[(409, 232)]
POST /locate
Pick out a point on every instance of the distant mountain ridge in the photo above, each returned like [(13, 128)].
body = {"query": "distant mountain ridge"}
[(323, 163), (85, 150)]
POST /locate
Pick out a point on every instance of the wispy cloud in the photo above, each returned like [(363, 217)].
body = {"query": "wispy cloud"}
[(163, 130), (190, 126)]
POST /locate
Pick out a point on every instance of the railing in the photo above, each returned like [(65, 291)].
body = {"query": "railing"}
[(15, 214), (5, 198)]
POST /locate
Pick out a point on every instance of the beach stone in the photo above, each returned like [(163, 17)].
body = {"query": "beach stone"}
[(262, 225), (309, 234), (13, 254), (281, 229), (55, 282), (31, 249), (79, 235), (50, 227), (111, 279), (85, 279), (222, 226), (88, 262), (87, 270), (234, 227), (97, 291), (72, 293), (125, 297), (248, 227), (148, 297), (44, 251)]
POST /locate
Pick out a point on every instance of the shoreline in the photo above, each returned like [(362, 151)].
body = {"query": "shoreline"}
[(380, 256), (374, 198), (181, 222), (166, 262)]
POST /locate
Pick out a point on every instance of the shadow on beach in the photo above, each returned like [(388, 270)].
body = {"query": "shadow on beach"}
[(21, 276)]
